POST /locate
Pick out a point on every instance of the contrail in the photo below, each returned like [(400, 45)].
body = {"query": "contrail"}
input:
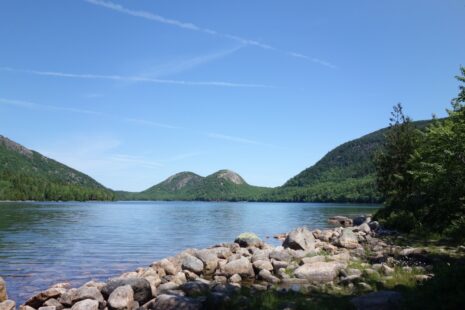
[(190, 26)]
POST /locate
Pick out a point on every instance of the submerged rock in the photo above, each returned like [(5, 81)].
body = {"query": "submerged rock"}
[(171, 302), (382, 300)]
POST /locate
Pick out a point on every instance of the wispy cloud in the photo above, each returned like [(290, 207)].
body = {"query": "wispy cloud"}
[(133, 78), (37, 106), (174, 67), (33, 105), (149, 123), (192, 27), (138, 160)]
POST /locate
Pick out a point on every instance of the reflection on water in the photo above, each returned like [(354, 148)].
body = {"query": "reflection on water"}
[(45, 243)]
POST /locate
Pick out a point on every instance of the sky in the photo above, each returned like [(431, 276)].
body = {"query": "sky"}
[(131, 92)]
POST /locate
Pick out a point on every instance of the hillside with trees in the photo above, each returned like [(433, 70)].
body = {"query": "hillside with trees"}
[(28, 175)]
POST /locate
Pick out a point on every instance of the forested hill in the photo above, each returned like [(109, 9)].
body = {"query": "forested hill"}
[(345, 174), (28, 175), (223, 185)]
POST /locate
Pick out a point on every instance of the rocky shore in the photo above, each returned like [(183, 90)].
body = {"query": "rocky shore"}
[(348, 260)]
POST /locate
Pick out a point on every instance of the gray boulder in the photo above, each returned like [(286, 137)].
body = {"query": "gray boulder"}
[(319, 272), (171, 302), (140, 286), (52, 302), (38, 300), (359, 220), (209, 259), (122, 298), (241, 266), (87, 304), (86, 292), (192, 263), (382, 300), (300, 239), (248, 239), (340, 220), (348, 239)]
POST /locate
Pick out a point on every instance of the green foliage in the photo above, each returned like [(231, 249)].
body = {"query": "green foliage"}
[(28, 175), (423, 175)]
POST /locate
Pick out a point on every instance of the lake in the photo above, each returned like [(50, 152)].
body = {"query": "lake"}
[(45, 243)]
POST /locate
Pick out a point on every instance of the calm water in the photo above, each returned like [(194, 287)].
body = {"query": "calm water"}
[(45, 243)]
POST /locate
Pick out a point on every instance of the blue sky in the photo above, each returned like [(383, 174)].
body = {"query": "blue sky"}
[(131, 92)]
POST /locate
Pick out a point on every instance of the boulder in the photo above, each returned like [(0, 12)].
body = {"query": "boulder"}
[(168, 266), (122, 298), (68, 297), (281, 255), (348, 239), (47, 308), (87, 304), (7, 305), (86, 292), (300, 239), (263, 265), (209, 259), (140, 286), (241, 266), (381, 300), (248, 239), (364, 227), (267, 276), (3, 294), (374, 225), (171, 302), (37, 300), (194, 288), (192, 263), (235, 278), (319, 272), (52, 302), (221, 252)]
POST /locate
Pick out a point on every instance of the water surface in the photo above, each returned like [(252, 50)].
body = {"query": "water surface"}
[(45, 243)]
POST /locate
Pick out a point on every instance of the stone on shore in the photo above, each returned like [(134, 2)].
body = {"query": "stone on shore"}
[(209, 259), (87, 304), (248, 239), (52, 302), (194, 288), (192, 263), (348, 239), (122, 298), (241, 266), (37, 300), (86, 292), (7, 305), (319, 272), (300, 239), (140, 286)]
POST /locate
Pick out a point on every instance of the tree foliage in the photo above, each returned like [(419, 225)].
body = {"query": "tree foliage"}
[(422, 175)]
